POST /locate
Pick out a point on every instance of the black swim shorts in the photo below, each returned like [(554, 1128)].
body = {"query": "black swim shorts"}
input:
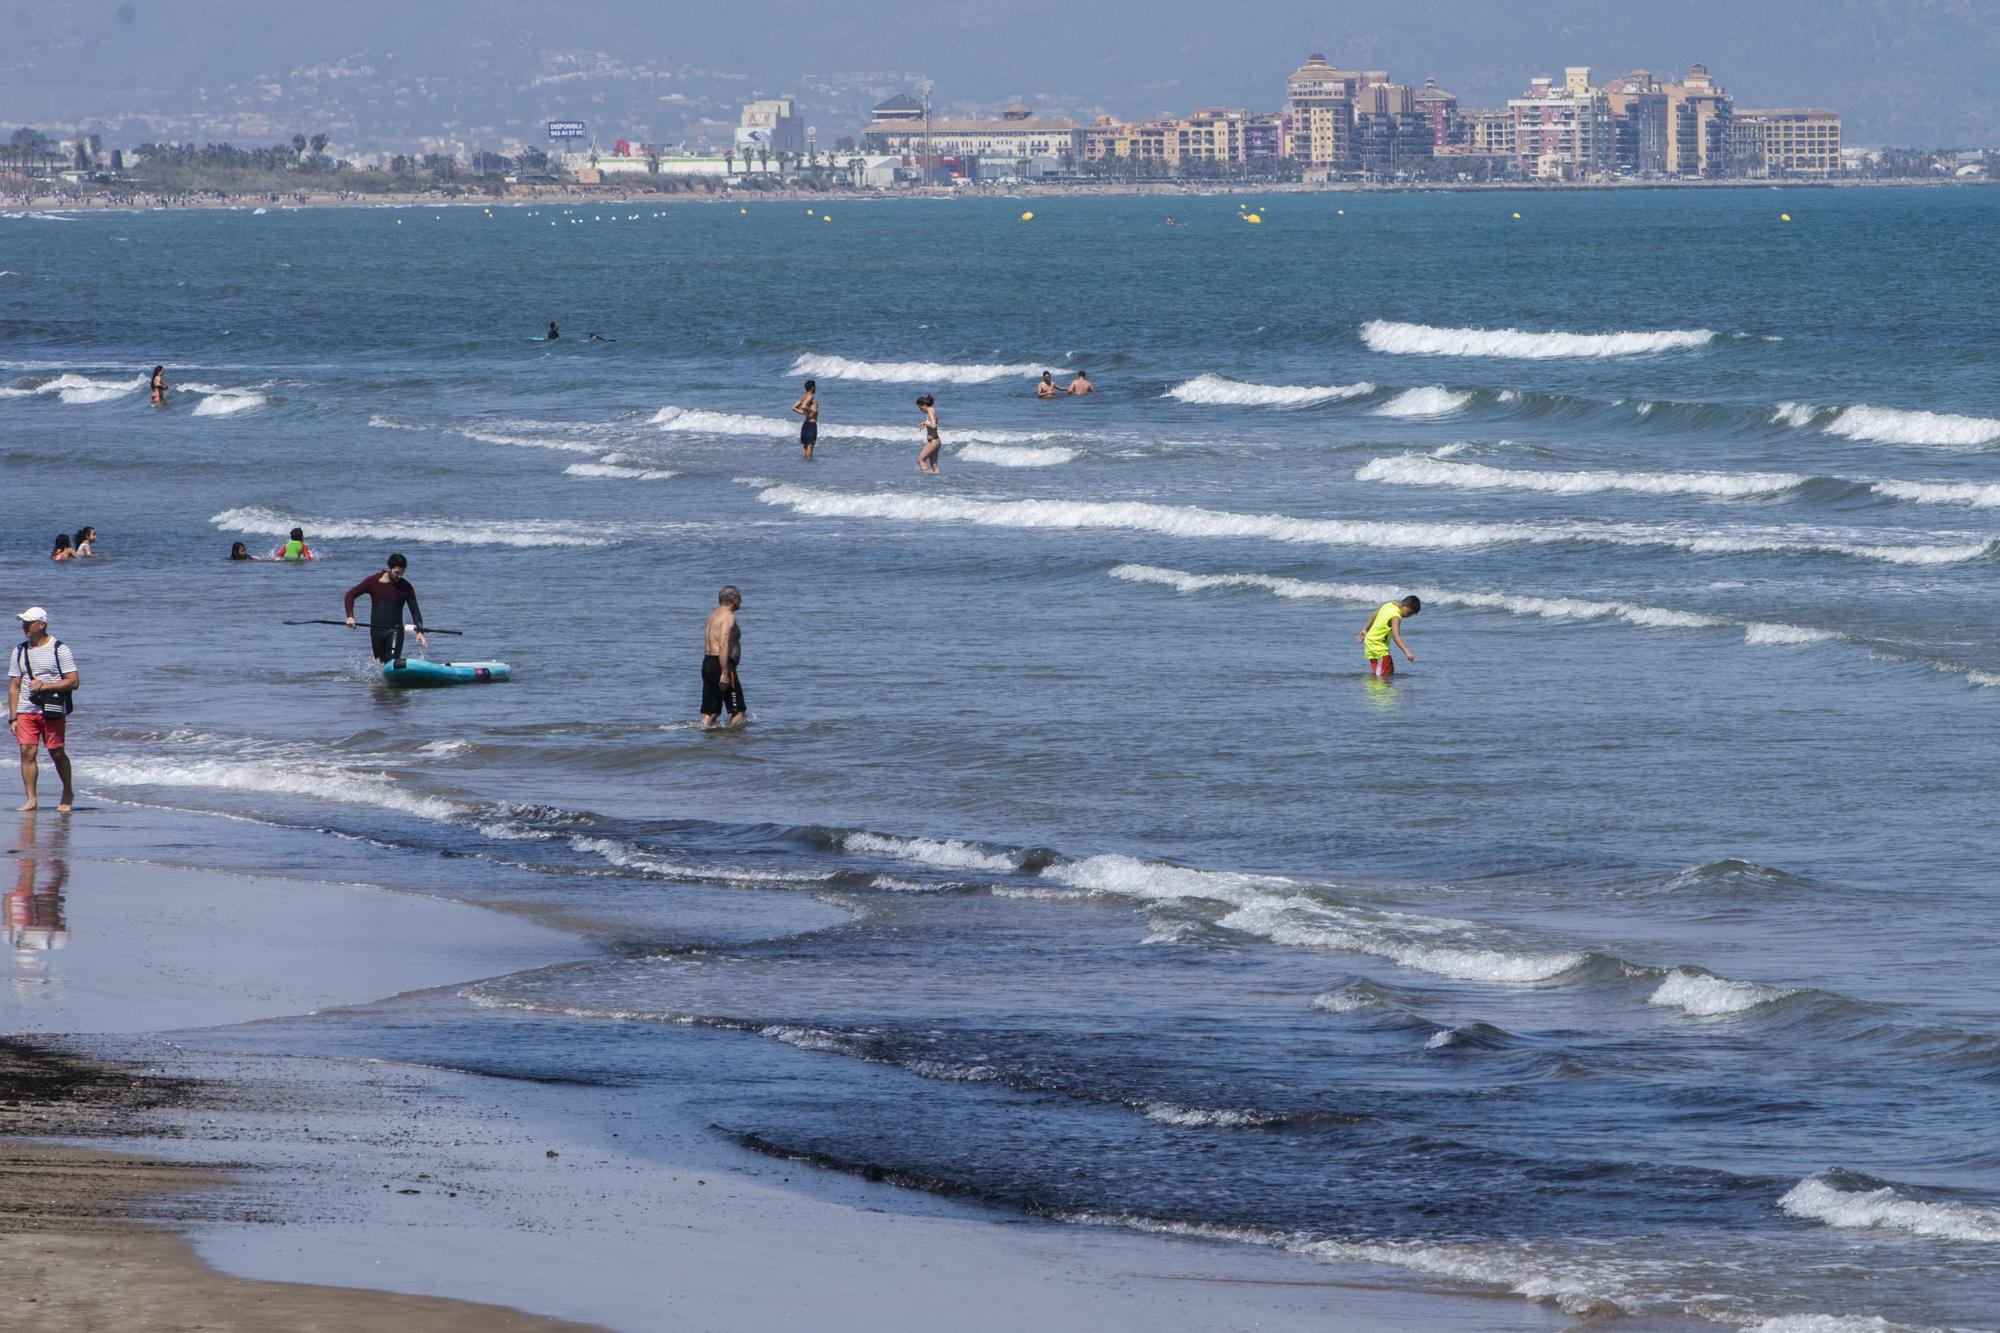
[(714, 698), (809, 433)]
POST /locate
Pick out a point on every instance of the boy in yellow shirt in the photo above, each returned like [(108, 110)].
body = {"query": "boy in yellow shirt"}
[(1386, 625)]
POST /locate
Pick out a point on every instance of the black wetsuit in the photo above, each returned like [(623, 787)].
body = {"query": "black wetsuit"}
[(385, 614)]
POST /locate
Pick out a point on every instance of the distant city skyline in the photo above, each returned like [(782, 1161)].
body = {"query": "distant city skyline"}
[(378, 76)]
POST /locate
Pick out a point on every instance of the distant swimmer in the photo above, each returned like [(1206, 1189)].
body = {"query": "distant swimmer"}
[(295, 549), (555, 332), (240, 552), (599, 338), (1082, 384), (388, 593), (1047, 388), (1170, 220), (1387, 624), (927, 457), (159, 386), (85, 542), (808, 407), (63, 550), (721, 651)]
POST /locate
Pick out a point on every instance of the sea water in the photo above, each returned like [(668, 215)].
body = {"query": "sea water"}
[(1632, 949)]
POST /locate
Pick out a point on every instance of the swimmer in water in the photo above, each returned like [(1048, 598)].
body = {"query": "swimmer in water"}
[(599, 338), (555, 332), (927, 457), (1081, 384), (295, 549), (85, 537), (240, 552), (159, 386), (1047, 387), (63, 550)]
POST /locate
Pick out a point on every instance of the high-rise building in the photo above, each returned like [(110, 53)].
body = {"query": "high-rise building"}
[(1698, 114), (1640, 113), (1322, 110), (1564, 133), (1439, 110), (1390, 133), (1785, 141)]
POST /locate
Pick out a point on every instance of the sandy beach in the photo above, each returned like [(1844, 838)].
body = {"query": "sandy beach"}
[(236, 1190)]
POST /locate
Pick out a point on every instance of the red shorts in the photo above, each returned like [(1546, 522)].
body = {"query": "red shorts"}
[(47, 728), (1382, 666)]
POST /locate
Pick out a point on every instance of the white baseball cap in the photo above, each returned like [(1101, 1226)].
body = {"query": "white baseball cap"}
[(32, 613)]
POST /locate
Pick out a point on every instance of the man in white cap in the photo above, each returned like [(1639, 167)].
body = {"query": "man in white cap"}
[(41, 691)]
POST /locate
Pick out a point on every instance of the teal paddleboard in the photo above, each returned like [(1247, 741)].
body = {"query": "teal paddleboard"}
[(415, 671)]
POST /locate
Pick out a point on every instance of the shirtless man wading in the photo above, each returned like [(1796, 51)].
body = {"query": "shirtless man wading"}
[(722, 649)]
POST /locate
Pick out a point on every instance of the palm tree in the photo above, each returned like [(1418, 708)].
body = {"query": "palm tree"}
[(729, 161), (298, 146), (764, 157)]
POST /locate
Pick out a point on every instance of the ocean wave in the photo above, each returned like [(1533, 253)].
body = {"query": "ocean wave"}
[(1199, 1117), (1420, 470), (1875, 1206), (1796, 415), (1006, 455), (1891, 425), (946, 854), (911, 372), (629, 856), (1831, 1323), (1704, 995), (1525, 344), (1765, 635), (1214, 390), (614, 471), (77, 390), (700, 421), (1432, 401), (1306, 923), (228, 402), (510, 532), (1980, 495), (319, 781), (486, 435)]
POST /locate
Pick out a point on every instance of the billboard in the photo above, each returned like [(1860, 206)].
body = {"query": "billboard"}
[(568, 129)]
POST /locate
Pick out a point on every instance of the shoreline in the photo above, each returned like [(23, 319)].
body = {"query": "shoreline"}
[(607, 194), (207, 1176)]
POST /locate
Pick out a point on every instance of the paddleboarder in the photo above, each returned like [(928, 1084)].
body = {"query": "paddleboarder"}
[(388, 593), (722, 649)]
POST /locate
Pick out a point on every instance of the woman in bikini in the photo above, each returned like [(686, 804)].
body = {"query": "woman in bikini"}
[(63, 550), (159, 386), (927, 457)]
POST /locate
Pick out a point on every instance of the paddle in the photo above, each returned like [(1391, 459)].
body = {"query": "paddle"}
[(456, 633)]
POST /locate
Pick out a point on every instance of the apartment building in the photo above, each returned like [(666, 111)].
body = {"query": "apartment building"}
[(1267, 136), (1564, 132), (1213, 135), (1391, 132), (1439, 111), (1321, 102), (1785, 141), (1640, 114), (1698, 112)]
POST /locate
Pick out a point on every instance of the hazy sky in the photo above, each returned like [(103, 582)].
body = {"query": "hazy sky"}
[(376, 72)]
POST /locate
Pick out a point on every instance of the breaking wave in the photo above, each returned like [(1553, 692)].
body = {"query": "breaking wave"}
[(484, 435), (1891, 425), (228, 402), (1419, 470), (1980, 495), (1432, 401), (1524, 344), (911, 372), (1829, 1197), (512, 532), (77, 390), (1005, 455), (945, 854), (1215, 390), (1705, 996), (700, 421), (613, 471)]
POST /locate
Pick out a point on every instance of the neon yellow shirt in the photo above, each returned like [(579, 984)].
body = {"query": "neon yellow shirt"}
[(1376, 644)]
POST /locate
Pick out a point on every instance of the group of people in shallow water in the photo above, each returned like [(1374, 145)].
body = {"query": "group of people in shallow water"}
[(292, 550), (82, 546), (807, 408)]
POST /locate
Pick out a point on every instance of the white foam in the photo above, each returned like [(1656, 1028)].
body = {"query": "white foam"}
[(487, 436), (1764, 634), (1525, 344), (77, 390), (1884, 1209), (910, 372), (1307, 924), (1546, 608), (1433, 401), (1980, 495), (626, 856), (318, 781), (1344, 1002), (1419, 470), (1830, 1323), (228, 402), (1890, 425), (1008, 455), (614, 471), (948, 854), (513, 532), (1198, 1117), (1704, 996), (1214, 390), (1796, 415), (700, 421)]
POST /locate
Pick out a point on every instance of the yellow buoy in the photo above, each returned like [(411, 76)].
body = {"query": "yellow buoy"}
[(1340, 212), (1253, 217), (741, 210), (1517, 217), (825, 217), (1784, 217), (809, 212), (1027, 217)]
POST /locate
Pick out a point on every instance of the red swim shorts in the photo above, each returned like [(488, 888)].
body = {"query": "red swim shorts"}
[(1382, 666), (46, 728)]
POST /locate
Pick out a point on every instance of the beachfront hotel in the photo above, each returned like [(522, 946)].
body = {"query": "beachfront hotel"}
[(899, 126)]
